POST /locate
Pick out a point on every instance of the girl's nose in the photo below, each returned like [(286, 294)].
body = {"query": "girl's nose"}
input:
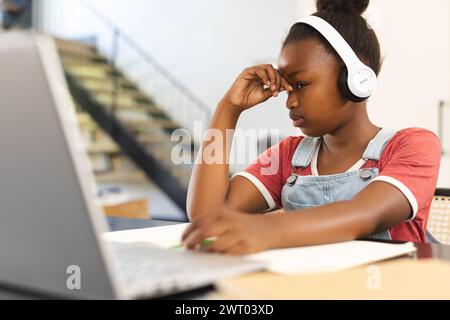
[(291, 102)]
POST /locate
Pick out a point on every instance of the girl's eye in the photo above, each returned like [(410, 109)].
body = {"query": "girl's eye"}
[(300, 85)]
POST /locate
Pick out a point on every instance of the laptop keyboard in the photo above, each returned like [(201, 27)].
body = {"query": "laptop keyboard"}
[(145, 270)]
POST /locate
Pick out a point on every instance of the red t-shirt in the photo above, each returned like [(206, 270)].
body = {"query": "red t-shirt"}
[(410, 161)]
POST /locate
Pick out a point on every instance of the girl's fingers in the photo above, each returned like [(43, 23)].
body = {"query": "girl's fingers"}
[(193, 239), (204, 230), (270, 77), (273, 76), (286, 85), (195, 225), (262, 74), (279, 81), (187, 231), (224, 243)]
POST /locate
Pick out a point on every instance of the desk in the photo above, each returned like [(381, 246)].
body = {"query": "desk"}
[(425, 252), (388, 280), (422, 275)]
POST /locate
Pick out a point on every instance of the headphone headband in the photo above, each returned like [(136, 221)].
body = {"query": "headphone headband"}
[(334, 38), (361, 79)]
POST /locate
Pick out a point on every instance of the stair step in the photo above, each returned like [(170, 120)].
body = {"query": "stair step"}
[(102, 85), (76, 58), (133, 114), (100, 77), (107, 83), (100, 71), (153, 139), (84, 118), (121, 100), (148, 108), (125, 103), (163, 123), (79, 56), (102, 148), (108, 99), (64, 45), (72, 43), (166, 123), (83, 71), (139, 117), (134, 94), (141, 125), (90, 66)]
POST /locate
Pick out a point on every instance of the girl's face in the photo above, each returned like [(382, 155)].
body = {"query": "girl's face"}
[(316, 105)]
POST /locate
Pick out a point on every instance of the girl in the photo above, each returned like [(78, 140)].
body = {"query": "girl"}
[(345, 179)]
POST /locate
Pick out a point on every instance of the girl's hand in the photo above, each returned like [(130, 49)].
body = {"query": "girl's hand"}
[(234, 232), (255, 85)]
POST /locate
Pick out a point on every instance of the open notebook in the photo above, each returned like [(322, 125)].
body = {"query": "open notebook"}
[(311, 259)]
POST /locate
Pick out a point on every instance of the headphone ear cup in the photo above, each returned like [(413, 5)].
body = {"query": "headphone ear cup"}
[(343, 86)]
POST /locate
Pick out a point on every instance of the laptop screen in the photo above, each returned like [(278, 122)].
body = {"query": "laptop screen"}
[(49, 228)]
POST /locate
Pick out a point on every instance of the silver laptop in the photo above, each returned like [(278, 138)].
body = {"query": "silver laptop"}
[(50, 231)]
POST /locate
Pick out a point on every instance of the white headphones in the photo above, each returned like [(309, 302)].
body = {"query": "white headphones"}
[(357, 81)]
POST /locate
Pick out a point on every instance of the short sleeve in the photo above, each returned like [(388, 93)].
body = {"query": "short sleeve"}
[(411, 163), (268, 172)]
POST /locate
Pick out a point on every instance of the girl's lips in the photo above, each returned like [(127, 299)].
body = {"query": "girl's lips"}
[(298, 122)]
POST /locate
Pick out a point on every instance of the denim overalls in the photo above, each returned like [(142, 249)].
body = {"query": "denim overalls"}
[(301, 192)]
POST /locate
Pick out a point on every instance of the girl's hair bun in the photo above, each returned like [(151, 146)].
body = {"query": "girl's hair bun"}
[(349, 6)]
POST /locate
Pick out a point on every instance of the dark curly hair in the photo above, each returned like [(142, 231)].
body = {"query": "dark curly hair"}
[(345, 17)]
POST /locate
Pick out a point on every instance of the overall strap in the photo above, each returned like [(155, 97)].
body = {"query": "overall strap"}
[(304, 152), (376, 145)]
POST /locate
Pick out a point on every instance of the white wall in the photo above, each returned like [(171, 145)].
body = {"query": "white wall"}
[(415, 37)]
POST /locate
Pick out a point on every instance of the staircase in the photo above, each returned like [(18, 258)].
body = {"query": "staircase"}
[(135, 124)]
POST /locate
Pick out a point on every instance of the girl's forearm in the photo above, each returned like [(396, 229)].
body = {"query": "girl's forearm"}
[(209, 182), (336, 222)]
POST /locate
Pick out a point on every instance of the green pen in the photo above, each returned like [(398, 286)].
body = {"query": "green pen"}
[(205, 242)]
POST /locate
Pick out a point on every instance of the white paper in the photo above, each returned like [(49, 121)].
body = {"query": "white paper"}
[(330, 257), (310, 259)]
